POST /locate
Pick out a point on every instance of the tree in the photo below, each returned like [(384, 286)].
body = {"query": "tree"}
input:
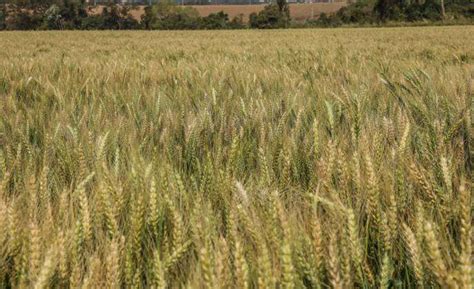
[(52, 17), (3, 17), (237, 22), (73, 12), (169, 16), (148, 17), (284, 8), (387, 10), (218, 20), (272, 16), (443, 11), (66, 14), (23, 16)]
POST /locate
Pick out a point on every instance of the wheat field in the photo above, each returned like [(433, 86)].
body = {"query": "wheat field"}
[(237, 159)]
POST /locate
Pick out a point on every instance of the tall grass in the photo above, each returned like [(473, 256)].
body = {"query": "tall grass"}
[(279, 159)]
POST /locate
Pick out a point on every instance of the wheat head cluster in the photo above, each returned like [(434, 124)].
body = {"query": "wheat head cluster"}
[(240, 159)]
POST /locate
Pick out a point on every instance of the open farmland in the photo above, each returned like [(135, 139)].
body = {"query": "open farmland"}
[(237, 159), (299, 12)]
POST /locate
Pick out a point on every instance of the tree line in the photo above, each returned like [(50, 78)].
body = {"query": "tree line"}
[(166, 15), (382, 11)]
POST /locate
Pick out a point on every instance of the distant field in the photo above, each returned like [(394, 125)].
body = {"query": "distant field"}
[(298, 11)]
